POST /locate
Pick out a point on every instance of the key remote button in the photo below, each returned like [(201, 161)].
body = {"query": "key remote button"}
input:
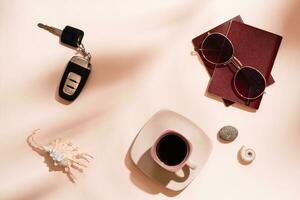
[(74, 77), (68, 90), (71, 84)]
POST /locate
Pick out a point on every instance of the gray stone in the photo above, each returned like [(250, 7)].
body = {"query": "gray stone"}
[(228, 133)]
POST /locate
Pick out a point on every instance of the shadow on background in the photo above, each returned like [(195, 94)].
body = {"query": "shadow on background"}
[(291, 25), (145, 183), (109, 69), (35, 192), (119, 66)]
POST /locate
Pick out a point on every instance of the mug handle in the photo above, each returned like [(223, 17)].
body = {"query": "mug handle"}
[(191, 164)]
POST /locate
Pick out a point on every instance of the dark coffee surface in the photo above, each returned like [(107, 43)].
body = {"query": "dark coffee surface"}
[(171, 149)]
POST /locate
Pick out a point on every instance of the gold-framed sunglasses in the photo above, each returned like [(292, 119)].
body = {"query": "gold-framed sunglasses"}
[(248, 82)]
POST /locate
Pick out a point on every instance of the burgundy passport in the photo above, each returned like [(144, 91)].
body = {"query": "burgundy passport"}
[(225, 28), (253, 47)]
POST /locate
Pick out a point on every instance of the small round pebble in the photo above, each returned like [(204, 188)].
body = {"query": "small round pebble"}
[(228, 133)]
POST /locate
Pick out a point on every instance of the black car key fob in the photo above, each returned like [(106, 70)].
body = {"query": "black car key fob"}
[(74, 78), (71, 36)]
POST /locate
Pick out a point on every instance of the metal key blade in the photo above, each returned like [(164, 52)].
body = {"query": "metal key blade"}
[(51, 29)]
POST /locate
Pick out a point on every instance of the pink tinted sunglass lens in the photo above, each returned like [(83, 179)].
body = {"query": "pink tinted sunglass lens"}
[(249, 83), (216, 48)]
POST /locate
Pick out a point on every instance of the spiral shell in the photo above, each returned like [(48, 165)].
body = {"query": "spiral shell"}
[(246, 155)]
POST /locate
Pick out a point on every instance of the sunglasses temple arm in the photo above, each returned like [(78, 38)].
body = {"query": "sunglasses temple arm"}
[(247, 102), (236, 62)]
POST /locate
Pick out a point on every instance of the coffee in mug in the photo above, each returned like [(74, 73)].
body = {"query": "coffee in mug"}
[(172, 151)]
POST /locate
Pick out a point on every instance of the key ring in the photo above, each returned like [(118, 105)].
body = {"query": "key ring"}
[(78, 68), (85, 54)]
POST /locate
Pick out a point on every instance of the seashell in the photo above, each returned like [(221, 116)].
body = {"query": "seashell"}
[(63, 154), (246, 155), (228, 133)]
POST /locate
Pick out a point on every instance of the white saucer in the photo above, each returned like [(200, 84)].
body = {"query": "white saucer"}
[(140, 150)]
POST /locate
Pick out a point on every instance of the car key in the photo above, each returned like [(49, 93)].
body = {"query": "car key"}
[(74, 78), (78, 68), (69, 35)]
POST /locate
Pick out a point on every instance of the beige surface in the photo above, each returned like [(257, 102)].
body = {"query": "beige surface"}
[(141, 63)]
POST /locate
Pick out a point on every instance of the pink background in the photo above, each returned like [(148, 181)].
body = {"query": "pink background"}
[(141, 63)]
